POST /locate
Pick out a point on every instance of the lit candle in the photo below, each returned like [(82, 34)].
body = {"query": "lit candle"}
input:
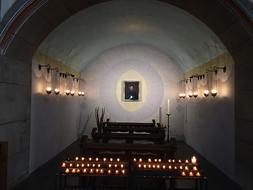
[(104, 159), (191, 174), (183, 173), (90, 158), (159, 160), (111, 159), (170, 167), (144, 166), (194, 160), (123, 171), (164, 166), (140, 160), (93, 165), (186, 168), (187, 161), (101, 171), (109, 171), (98, 165), (78, 171), (82, 158), (134, 159), (67, 170), (70, 165), (84, 170), (158, 166), (91, 171), (116, 171), (118, 159), (155, 160), (198, 174), (122, 166), (149, 166), (72, 93), (109, 165), (96, 159), (168, 106), (88, 165), (139, 165), (77, 165), (115, 165), (97, 170), (195, 168), (63, 165), (48, 90), (82, 165), (56, 91), (77, 158), (73, 171), (67, 92), (149, 160)]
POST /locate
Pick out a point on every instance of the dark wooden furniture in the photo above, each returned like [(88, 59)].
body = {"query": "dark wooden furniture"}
[(130, 132), (3, 165), (162, 150)]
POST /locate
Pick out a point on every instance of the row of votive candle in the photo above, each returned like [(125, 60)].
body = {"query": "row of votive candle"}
[(94, 171), (90, 165), (193, 160)]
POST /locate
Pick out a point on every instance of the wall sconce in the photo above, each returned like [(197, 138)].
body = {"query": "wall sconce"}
[(48, 90), (56, 91), (213, 92), (72, 93), (67, 92), (206, 93), (190, 94), (182, 95), (195, 94)]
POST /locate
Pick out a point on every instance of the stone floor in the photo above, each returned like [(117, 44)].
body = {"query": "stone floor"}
[(44, 177)]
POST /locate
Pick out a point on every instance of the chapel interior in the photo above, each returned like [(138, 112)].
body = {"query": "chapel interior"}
[(126, 94)]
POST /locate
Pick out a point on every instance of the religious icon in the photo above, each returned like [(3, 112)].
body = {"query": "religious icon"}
[(131, 90)]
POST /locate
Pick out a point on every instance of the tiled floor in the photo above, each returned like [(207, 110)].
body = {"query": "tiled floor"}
[(44, 177)]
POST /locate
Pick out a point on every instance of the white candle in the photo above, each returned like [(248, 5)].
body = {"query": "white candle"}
[(160, 115), (168, 106)]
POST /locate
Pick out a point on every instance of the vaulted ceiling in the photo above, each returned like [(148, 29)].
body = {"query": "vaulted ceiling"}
[(174, 32)]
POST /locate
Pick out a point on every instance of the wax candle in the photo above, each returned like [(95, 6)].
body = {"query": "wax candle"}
[(168, 106)]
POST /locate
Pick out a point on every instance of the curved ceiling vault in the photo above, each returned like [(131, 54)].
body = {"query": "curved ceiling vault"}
[(89, 33)]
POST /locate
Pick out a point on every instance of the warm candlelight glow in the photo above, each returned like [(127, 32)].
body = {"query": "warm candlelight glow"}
[(194, 160), (187, 161), (195, 168), (97, 170), (186, 168), (149, 160), (82, 158), (155, 160), (158, 166), (67, 170), (91, 171), (213, 92), (191, 174), (63, 165), (118, 159), (78, 171), (109, 165), (67, 92), (206, 93), (198, 174), (98, 165), (77, 158), (93, 165), (149, 166), (104, 159), (183, 173), (164, 166), (134, 159), (109, 171), (159, 160), (139, 165), (48, 90), (82, 165), (115, 165), (70, 165), (190, 94), (181, 167), (123, 171), (72, 93), (88, 165), (117, 171), (111, 159), (170, 167), (84, 170), (122, 166), (140, 160), (101, 171), (96, 159), (153, 166), (90, 158), (73, 171), (195, 94), (144, 166), (56, 91), (79, 93), (77, 165)]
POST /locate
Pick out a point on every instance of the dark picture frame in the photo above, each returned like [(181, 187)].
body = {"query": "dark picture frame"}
[(131, 91)]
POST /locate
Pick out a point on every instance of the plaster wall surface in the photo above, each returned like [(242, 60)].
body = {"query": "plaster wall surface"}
[(157, 71)]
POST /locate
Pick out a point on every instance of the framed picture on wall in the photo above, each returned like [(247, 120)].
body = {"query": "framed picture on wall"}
[(131, 91)]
